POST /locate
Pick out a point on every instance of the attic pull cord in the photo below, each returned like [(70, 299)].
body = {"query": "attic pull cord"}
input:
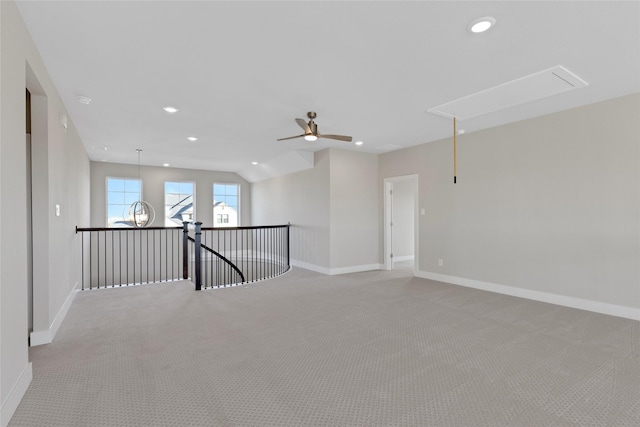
[(454, 151)]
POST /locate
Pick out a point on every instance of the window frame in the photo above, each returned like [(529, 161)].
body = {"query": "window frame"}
[(106, 198), (239, 206), (193, 200), (224, 219)]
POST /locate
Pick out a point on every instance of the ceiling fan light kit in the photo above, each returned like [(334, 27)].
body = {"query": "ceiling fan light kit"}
[(311, 131)]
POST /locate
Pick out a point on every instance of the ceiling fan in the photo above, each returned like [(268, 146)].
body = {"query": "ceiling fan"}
[(311, 131)]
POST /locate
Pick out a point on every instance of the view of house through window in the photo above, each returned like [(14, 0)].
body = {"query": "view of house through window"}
[(226, 208), (178, 203), (121, 194)]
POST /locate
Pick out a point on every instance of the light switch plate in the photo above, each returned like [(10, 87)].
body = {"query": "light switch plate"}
[(57, 210)]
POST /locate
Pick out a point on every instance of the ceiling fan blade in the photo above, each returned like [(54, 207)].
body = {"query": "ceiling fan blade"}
[(291, 137), (338, 137), (303, 125)]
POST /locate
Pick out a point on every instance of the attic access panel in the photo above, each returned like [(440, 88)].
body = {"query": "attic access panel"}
[(529, 88)]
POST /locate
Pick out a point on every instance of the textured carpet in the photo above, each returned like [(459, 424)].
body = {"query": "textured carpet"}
[(365, 349)]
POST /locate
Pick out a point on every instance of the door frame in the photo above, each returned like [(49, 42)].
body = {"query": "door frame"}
[(39, 207), (388, 218)]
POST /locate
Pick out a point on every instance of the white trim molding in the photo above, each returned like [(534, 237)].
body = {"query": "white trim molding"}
[(16, 394), (336, 271), (46, 336), (40, 337), (563, 300), (387, 189), (308, 266), (403, 258), (355, 269)]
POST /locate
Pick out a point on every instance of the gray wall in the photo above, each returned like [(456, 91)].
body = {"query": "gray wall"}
[(354, 209), (153, 179), (333, 209), (550, 204), (61, 177), (301, 198)]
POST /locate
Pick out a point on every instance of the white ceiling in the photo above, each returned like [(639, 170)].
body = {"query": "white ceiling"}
[(240, 72)]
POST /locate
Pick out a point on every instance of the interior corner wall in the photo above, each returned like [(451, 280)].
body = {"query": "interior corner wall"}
[(301, 198), (548, 206), (153, 179), (333, 210), (354, 214), (68, 178)]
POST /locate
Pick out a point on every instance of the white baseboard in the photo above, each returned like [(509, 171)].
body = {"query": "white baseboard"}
[(14, 397), (355, 269), (579, 303), (403, 258), (46, 336), (40, 337), (336, 271), (312, 267)]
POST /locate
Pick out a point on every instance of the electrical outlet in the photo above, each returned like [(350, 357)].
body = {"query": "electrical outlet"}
[(57, 210), (422, 211), (440, 262)]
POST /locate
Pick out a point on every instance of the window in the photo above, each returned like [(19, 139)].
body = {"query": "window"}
[(121, 194), (178, 203), (222, 219), (226, 205)]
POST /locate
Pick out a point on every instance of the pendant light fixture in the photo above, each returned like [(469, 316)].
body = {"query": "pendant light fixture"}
[(141, 213)]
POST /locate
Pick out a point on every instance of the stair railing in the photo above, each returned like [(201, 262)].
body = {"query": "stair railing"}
[(231, 256)]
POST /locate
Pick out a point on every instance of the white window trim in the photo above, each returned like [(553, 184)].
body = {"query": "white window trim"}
[(239, 186), (106, 195), (164, 205)]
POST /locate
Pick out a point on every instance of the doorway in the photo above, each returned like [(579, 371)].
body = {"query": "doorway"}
[(29, 218), (37, 209), (401, 221)]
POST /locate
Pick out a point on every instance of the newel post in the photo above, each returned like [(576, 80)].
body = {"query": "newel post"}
[(185, 250), (198, 254)]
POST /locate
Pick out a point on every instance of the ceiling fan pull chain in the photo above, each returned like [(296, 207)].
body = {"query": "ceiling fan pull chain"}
[(454, 151)]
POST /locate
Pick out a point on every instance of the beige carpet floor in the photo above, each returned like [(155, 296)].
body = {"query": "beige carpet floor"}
[(364, 349)]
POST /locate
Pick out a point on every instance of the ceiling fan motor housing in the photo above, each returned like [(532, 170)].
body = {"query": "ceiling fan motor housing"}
[(313, 128)]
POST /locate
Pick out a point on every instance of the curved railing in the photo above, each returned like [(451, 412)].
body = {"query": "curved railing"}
[(235, 255), (220, 257), (227, 256)]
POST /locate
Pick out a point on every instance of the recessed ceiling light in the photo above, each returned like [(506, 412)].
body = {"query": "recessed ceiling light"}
[(166, 165), (254, 163), (359, 142), (83, 100), (481, 25), (461, 131), (192, 138), (169, 109)]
